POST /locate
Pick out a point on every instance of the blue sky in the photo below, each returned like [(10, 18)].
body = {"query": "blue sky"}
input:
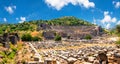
[(102, 12)]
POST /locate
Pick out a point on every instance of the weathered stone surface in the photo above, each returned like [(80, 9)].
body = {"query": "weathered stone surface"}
[(111, 59), (102, 56), (91, 59), (117, 55), (9, 37), (96, 62), (71, 60), (13, 39), (50, 61), (87, 63)]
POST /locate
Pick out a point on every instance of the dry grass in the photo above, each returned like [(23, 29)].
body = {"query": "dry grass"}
[(34, 33)]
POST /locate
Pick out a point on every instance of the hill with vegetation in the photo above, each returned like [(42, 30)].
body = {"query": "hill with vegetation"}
[(32, 25)]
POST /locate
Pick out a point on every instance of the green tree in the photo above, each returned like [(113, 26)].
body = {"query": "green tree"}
[(118, 33), (118, 29), (26, 37)]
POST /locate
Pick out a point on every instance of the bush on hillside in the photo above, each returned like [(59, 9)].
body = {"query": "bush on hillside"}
[(118, 42), (88, 37), (36, 38), (26, 37), (58, 38), (117, 30)]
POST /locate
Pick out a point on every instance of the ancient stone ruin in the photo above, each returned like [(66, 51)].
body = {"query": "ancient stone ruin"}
[(72, 32), (6, 38)]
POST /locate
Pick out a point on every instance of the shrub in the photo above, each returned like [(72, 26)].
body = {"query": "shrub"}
[(36, 38), (118, 28), (11, 55), (58, 38), (118, 42), (26, 37), (88, 37)]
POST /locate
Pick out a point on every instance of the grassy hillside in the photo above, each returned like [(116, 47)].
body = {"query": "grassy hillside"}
[(32, 25)]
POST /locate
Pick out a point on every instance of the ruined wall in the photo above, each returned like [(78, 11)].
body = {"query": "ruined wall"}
[(9, 37)]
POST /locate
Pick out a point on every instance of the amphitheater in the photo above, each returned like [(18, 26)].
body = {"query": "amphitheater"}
[(74, 32)]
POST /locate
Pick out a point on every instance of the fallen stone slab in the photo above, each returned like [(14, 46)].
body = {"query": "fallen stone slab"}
[(91, 59), (71, 60), (117, 55)]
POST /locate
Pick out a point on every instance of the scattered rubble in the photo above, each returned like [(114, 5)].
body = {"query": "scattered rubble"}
[(85, 55)]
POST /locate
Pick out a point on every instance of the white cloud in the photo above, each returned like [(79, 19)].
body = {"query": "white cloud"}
[(117, 4), (17, 18), (4, 19), (106, 12), (107, 26), (10, 9), (114, 19), (59, 4), (22, 19), (118, 23), (113, 2), (108, 18)]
